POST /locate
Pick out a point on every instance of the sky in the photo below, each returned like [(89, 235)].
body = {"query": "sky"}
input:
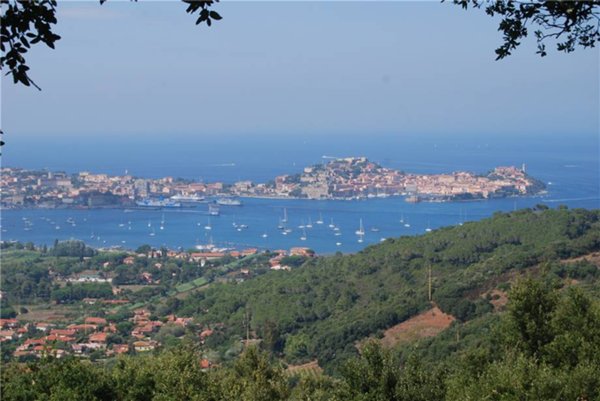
[(146, 71)]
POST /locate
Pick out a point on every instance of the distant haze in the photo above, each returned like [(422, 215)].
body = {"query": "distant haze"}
[(141, 70)]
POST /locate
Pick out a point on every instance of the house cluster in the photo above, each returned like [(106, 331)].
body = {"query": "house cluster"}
[(27, 188), (45, 338), (357, 177), (80, 339), (276, 262)]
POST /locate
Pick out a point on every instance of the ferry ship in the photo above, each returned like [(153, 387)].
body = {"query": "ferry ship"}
[(158, 203), (187, 198)]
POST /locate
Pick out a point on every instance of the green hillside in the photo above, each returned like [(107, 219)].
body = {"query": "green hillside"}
[(323, 308)]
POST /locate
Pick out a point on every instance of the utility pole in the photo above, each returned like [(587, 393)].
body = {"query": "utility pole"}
[(247, 324), (429, 280)]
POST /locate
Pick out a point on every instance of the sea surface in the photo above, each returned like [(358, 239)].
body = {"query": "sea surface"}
[(569, 167)]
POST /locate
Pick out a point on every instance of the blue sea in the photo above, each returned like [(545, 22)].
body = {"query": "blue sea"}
[(569, 165)]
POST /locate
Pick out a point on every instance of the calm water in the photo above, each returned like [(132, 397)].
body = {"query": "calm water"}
[(571, 167)]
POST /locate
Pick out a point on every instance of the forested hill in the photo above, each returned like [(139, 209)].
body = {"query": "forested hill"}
[(323, 308)]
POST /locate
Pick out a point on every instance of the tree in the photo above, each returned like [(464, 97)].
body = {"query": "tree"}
[(27, 22), (569, 23)]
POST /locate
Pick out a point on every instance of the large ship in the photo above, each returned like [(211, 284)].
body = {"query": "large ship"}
[(229, 202), (158, 203), (187, 198)]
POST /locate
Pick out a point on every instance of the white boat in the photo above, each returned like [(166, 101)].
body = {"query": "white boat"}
[(149, 223), (320, 221), (265, 235), (187, 198), (309, 225), (208, 226), (229, 202), (375, 229), (331, 225), (213, 210), (284, 220), (361, 230), (428, 229), (162, 222), (402, 218), (303, 238), (360, 239), (337, 233), (338, 243)]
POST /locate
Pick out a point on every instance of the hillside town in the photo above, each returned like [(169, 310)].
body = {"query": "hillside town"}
[(110, 303), (345, 178)]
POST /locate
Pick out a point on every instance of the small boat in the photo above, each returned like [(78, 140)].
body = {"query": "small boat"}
[(309, 225), (121, 224), (284, 220), (57, 227), (361, 230), (303, 238), (208, 226), (149, 223), (213, 210), (338, 243), (337, 233), (265, 235), (375, 229), (320, 221), (331, 225), (360, 239), (162, 222)]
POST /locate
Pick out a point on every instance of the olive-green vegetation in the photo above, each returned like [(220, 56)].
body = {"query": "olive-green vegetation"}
[(322, 308), (546, 346)]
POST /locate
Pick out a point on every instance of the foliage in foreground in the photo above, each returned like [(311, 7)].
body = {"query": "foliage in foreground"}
[(546, 347)]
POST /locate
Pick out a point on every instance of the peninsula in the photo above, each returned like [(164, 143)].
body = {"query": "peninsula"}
[(344, 178)]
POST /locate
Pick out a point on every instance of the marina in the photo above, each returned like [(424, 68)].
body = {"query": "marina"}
[(261, 223)]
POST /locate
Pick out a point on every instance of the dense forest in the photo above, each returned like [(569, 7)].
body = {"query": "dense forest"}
[(321, 309), (546, 346)]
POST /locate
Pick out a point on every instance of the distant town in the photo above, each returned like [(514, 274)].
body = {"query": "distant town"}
[(344, 178)]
